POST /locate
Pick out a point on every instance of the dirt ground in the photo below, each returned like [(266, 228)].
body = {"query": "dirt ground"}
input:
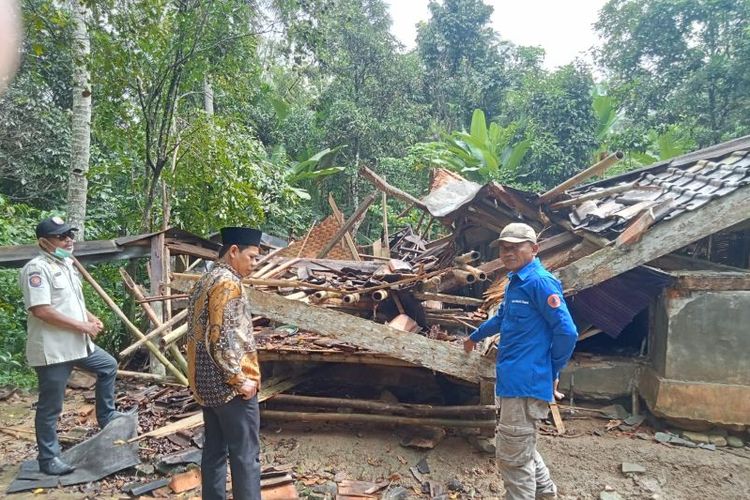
[(584, 465)]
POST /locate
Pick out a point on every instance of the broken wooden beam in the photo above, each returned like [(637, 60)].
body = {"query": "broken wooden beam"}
[(595, 195), (340, 219), (361, 209), (406, 409), (663, 238), (594, 170), (448, 299), (433, 354), (383, 186), (374, 419)]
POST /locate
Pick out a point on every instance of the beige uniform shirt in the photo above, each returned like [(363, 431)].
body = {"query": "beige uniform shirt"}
[(47, 280)]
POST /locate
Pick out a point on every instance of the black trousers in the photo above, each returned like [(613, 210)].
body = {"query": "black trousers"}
[(52, 381), (233, 430)]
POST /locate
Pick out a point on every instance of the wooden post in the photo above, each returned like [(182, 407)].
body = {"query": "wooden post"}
[(348, 224), (486, 398), (386, 239), (156, 268)]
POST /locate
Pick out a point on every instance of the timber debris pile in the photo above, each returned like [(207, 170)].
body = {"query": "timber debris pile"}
[(407, 301)]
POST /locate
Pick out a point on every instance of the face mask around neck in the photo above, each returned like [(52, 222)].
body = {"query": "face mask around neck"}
[(62, 253)]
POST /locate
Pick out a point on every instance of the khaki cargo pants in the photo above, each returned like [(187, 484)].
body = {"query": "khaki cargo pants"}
[(524, 473)]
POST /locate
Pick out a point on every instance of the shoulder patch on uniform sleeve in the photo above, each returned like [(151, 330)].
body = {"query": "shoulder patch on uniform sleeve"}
[(554, 301), (35, 279)]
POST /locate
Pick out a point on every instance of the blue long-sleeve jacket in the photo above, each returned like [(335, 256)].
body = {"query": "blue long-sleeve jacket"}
[(538, 334)]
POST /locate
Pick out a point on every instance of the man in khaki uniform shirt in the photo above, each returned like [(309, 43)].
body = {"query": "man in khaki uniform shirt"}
[(60, 332)]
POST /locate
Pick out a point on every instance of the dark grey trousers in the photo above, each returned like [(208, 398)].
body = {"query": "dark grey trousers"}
[(52, 381), (232, 429)]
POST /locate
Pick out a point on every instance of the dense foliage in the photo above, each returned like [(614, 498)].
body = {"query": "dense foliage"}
[(251, 112)]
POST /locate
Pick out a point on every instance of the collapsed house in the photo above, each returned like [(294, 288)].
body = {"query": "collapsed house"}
[(654, 263), (655, 267)]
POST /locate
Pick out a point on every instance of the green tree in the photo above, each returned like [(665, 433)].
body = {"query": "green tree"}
[(464, 61), (555, 113), (680, 62)]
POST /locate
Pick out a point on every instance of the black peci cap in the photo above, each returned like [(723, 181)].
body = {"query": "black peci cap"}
[(52, 226), (244, 236)]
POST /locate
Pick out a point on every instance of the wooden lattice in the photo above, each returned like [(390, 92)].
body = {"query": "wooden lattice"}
[(310, 245)]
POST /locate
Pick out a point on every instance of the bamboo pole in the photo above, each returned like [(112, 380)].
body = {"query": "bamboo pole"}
[(173, 336), (374, 419), (478, 273), (155, 332), (464, 277), (134, 329), (399, 408), (466, 258)]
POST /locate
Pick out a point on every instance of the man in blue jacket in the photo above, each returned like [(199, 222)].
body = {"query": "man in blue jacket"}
[(538, 337)]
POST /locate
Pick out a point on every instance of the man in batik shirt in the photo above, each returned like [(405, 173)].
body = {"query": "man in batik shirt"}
[(223, 369)]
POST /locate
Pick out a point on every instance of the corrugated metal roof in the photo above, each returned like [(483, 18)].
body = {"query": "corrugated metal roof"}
[(669, 189)]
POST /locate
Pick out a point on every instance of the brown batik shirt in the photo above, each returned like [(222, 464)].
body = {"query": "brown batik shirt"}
[(220, 347)]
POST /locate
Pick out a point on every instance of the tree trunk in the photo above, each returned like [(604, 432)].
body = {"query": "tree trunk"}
[(81, 120), (208, 97)]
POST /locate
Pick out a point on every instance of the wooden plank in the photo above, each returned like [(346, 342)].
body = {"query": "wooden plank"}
[(594, 170), (366, 418), (595, 195), (557, 418), (662, 239), (421, 351), (348, 224), (635, 231), (340, 219), (712, 281)]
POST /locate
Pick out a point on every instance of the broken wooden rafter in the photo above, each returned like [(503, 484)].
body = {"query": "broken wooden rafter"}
[(595, 195), (383, 186), (361, 209), (416, 349), (374, 419), (594, 170), (340, 219), (449, 299), (662, 239), (414, 410)]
